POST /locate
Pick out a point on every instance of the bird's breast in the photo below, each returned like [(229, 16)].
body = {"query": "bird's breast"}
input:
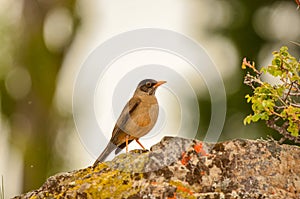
[(147, 115), (144, 117)]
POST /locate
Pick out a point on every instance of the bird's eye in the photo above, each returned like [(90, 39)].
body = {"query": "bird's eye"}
[(148, 84)]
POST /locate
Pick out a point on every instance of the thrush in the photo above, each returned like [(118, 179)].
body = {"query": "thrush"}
[(136, 120)]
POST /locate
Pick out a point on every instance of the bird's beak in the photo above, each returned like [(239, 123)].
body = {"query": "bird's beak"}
[(159, 83)]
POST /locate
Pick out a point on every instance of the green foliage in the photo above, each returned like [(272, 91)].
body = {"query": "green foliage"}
[(278, 105)]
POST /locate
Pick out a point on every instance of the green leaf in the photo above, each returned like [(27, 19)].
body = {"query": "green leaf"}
[(263, 70), (248, 119), (293, 129), (256, 117), (248, 97), (282, 100), (276, 62)]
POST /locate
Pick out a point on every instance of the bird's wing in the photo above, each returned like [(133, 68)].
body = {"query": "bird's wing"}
[(128, 110)]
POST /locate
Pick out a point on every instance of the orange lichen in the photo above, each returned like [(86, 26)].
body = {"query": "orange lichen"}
[(199, 149), (184, 189), (185, 158), (154, 183)]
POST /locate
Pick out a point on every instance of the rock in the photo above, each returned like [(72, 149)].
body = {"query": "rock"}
[(185, 168)]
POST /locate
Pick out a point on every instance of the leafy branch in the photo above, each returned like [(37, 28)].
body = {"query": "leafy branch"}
[(279, 104)]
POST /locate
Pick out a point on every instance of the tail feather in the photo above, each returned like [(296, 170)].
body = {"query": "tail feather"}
[(109, 148)]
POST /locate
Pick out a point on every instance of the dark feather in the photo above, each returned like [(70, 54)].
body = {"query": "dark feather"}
[(109, 148), (125, 115)]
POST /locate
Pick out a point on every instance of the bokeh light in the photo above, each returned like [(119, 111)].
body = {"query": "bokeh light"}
[(18, 83), (278, 22), (58, 27)]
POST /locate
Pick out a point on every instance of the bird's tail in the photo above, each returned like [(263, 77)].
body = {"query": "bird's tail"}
[(109, 148)]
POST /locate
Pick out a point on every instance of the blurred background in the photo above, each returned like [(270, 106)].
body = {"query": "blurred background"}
[(44, 43)]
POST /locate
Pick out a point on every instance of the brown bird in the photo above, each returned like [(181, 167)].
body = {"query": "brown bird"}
[(136, 120)]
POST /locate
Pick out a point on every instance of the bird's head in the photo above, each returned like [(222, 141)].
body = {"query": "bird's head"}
[(148, 86)]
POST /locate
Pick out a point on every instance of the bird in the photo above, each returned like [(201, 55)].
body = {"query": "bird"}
[(136, 119)]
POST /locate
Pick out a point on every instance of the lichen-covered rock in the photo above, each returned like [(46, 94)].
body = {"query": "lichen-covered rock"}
[(184, 168)]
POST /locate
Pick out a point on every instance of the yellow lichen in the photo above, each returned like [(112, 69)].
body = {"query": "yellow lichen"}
[(114, 184), (101, 182), (183, 190)]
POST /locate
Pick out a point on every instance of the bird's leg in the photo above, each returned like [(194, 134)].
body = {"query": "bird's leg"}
[(137, 140), (126, 140)]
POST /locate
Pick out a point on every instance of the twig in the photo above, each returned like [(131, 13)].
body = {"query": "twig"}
[(295, 105), (293, 41), (282, 130), (295, 94), (247, 63), (291, 86)]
